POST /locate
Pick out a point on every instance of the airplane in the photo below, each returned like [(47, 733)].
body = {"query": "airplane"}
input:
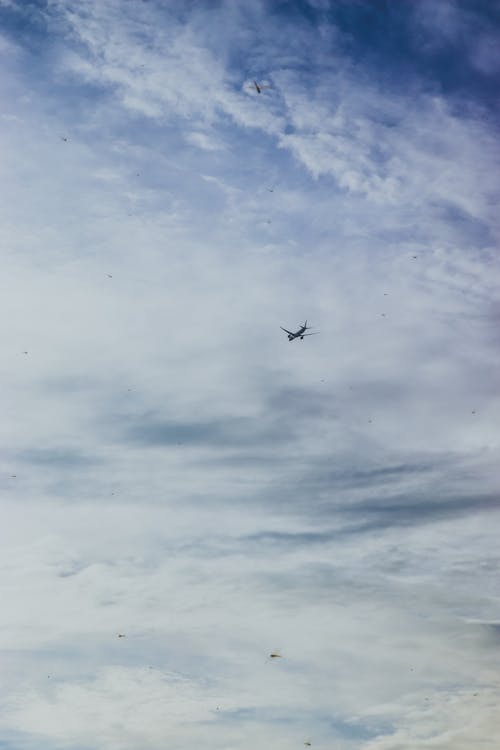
[(300, 333), (259, 87)]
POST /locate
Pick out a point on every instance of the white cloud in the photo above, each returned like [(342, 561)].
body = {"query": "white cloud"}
[(182, 473), (392, 148), (450, 721), (123, 707), (203, 141)]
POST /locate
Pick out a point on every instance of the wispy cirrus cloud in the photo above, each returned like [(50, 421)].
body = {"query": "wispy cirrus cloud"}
[(177, 472)]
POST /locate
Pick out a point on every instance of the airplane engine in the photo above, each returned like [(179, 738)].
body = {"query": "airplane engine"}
[(301, 338)]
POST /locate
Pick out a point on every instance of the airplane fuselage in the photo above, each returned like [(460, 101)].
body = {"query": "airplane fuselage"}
[(297, 335), (292, 335)]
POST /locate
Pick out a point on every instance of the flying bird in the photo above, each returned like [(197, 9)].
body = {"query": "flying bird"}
[(64, 139), (259, 87)]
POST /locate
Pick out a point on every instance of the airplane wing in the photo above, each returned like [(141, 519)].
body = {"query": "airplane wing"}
[(289, 332), (311, 334)]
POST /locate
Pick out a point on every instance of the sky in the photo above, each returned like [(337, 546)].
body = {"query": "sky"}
[(173, 469)]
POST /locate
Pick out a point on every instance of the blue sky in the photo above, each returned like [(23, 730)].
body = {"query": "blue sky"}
[(173, 469)]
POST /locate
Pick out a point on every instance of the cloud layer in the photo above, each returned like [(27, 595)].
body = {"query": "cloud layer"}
[(177, 472)]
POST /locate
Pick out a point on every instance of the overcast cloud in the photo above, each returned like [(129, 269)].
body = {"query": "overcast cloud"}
[(173, 469)]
